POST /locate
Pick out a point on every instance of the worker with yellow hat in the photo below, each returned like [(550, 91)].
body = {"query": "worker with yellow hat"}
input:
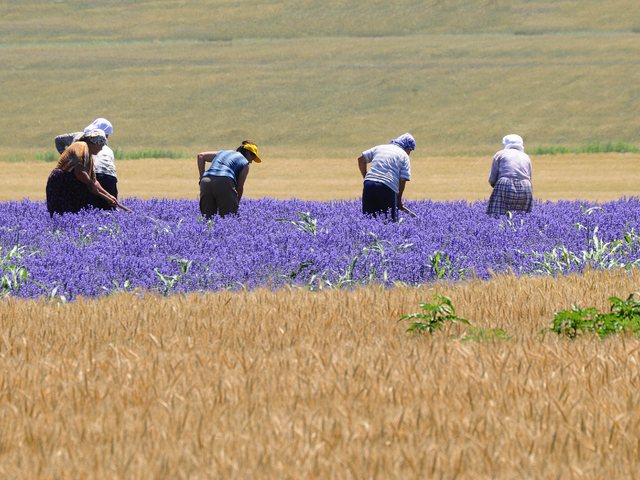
[(222, 184)]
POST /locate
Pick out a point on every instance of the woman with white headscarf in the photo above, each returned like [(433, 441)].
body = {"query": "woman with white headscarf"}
[(511, 179), (389, 172), (74, 176), (103, 162)]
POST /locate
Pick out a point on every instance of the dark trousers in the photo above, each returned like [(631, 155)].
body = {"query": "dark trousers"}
[(378, 199), (110, 184), (218, 195)]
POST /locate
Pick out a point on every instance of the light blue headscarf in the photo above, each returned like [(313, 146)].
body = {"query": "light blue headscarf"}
[(405, 141), (100, 124)]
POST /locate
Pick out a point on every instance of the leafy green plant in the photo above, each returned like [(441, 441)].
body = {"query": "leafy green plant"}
[(508, 221), (480, 335), (183, 264), (599, 254), (12, 277), (556, 261), (12, 273), (168, 282), (112, 229), (51, 295), (623, 317), (434, 316), (343, 279), (444, 268), (117, 288), (383, 250), (307, 222)]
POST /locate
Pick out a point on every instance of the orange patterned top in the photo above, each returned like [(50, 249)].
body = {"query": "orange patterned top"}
[(76, 154)]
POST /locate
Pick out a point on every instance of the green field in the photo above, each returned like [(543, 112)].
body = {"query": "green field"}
[(320, 79)]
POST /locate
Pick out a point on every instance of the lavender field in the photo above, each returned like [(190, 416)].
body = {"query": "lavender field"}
[(166, 247)]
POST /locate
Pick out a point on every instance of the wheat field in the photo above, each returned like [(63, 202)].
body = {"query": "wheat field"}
[(300, 384), (327, 385)]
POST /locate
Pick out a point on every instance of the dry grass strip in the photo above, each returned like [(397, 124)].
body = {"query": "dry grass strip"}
[(299, 384), (595, 177)]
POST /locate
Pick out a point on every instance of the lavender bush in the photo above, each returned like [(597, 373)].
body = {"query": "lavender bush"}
[(167, 247)]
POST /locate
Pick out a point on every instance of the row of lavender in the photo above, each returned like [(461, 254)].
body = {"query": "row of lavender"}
[(166, 246)]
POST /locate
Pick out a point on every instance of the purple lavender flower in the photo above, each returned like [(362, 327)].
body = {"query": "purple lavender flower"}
[(167, 246)]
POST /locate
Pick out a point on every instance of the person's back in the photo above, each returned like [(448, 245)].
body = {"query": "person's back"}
[(390, 170), (222, 184), (227, 163), (510, 178), (511, 163), (389, 163)]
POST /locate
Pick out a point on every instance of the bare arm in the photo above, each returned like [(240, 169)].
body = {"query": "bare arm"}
[(241, 179), (205, 157), (403, 182), (362, 165), (82, 173)]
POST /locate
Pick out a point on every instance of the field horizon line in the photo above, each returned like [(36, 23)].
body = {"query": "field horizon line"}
[(171, 41), (587, 148)]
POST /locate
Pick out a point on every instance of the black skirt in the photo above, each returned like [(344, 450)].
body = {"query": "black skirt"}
[(65, 193)]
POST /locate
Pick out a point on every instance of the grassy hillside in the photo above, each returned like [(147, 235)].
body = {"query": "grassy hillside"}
[(35, 21), (335, 78)]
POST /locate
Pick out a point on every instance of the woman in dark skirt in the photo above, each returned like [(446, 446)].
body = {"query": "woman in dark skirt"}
[(74, 176)]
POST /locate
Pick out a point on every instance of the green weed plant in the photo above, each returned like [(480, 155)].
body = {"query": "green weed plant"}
[(440, 312), (434, 316), (476, 334), (624, 317)]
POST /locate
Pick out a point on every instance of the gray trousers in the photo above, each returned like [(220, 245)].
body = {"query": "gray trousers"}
[(218, 196)]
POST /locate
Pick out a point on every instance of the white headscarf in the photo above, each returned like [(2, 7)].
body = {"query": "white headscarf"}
[(513, 141), (100, 124), (95, 136)]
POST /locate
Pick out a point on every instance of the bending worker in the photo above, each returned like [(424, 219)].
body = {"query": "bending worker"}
[(510, 178), (74, 176), (222, 185), (390, 170), (104, 162)]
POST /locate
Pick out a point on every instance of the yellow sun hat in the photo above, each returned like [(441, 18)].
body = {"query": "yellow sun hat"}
[(253, 149)]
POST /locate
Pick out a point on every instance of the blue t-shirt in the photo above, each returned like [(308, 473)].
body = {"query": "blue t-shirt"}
[(227, 163), (389, 163)]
